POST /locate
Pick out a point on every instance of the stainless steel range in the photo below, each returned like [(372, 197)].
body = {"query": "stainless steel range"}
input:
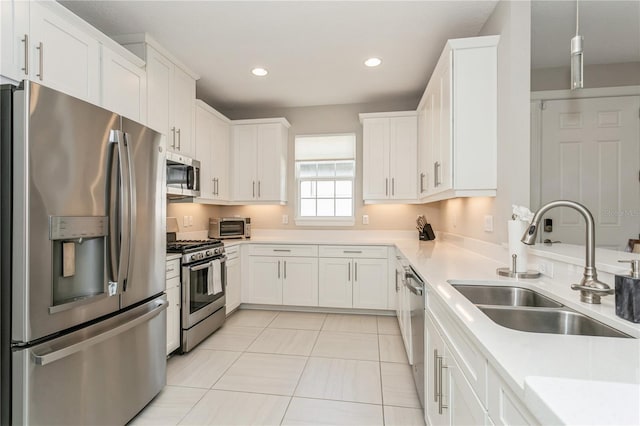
[(204, 283)]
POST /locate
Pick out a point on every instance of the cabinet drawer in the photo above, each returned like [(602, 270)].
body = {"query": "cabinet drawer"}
[(371, 252), (472, 363), (173, 283), (232, 252), (173, 269), (303, 250)]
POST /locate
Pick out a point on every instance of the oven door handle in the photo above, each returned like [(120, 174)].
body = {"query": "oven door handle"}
[(200, 267)]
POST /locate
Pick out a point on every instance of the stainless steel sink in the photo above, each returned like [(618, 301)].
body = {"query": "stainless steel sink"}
[(527, 310), (504, 296), (546, 320)]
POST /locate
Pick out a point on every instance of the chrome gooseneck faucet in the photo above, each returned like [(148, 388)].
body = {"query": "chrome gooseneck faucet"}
[(590, 288)]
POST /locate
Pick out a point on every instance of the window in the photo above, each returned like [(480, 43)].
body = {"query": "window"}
[(325, 174)]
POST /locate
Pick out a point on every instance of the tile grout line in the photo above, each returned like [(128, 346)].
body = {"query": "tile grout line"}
[(303, 369), (380, 370)]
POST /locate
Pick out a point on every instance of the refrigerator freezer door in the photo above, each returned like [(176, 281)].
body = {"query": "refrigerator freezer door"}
[(147, 150), (61, 149), (110, 370)]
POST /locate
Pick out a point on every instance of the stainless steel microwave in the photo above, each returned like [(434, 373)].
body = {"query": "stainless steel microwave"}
[(230, 227), (183, 176)]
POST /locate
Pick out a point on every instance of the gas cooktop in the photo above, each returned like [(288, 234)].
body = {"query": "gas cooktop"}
[(188, 246)]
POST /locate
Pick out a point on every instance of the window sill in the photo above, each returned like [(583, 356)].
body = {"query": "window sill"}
[(325, 221)]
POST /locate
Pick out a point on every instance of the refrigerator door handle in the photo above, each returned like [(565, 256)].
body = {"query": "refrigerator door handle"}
[(83, 342), (119, 218), (132, 216)]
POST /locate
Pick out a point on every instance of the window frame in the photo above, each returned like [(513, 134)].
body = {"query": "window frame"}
[(326, 220)]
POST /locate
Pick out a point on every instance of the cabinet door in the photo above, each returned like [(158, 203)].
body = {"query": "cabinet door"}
[(203, 135), (220, 158), (271, 162), (265, 280), (445, 117), (233, 285), (14, 39), (403, 154), (173, 316), (464, 406), (184, 96), (424, 144), (62, 56), (370, 283), (123, 86), (375, 159), (245, 138), (434, 348), (334, 287), (159, 83), (300, 281)]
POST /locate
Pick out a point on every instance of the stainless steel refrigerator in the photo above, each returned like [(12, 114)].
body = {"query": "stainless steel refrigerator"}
[(82, 221)]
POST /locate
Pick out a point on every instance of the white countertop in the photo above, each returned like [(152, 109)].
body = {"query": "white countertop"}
[(534, 365)]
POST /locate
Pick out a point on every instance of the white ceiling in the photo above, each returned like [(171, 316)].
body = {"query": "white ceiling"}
[(611, 31), (314, 50)]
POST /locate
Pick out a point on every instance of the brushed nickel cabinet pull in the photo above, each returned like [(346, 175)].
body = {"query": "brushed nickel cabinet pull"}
[(40, 48), (349, 273), (173, 137), (278, 269), (254, 189), (179, 139), (435, 375), (393, 186), (386, 186), (285, 269), (355, 271), (421, 183), (25, 40)]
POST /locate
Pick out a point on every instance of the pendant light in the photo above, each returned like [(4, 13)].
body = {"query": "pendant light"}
[(577, 59)]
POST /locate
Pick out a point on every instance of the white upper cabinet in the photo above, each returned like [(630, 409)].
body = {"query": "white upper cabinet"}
[(389, 156), (14, 39), (124, 85), (62, 55), (212, 133), (457, 122), (171, 93), (259, 150)]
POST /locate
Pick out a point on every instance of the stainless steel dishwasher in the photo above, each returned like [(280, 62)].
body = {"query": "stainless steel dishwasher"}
[(416, 287)]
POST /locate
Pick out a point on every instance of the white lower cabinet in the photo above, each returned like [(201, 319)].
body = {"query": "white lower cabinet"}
[(353, 283), (172, 274), (504, 407), (450, 399), (291, 278), (232, 296)]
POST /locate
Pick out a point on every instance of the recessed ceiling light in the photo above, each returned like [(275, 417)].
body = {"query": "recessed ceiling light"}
[(260, 72), (373, 62)]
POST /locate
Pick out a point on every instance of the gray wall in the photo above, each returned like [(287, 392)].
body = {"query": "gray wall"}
[(603, 75)]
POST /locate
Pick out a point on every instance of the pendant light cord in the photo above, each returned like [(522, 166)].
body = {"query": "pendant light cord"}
[(577, 18)]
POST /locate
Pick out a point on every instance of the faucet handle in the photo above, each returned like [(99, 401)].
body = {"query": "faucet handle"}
[(635, 267)]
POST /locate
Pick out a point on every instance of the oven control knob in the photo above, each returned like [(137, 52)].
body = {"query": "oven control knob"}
[(209, 253), (193, 257)]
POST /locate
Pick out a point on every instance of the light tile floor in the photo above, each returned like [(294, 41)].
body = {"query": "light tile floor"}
[(291, 368)]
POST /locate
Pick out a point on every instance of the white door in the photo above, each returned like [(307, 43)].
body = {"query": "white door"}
[(123, 86), (270, 162), (14, 39), (184, 96), (220, 158), (62, 56), (334, 287), (233, 285), (375, 159), (300, 281), (203, 134), (445, 168), (370, 283), (265, 280), (159, 86), (403, 161), (591, 154), (245, 138), (464, 408)]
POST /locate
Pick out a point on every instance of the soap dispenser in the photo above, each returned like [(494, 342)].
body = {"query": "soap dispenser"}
[(628, 293)]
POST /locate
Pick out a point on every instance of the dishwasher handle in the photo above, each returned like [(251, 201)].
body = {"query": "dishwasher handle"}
[(410, 281)]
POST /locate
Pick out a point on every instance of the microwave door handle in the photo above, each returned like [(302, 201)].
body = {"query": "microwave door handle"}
[(132, 213), (190, 177)]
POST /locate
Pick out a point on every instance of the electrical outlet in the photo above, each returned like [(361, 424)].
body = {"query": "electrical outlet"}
[(546, 268), (488, 223), (365, 219), (190, 220), (185, 221), (285, 219)]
